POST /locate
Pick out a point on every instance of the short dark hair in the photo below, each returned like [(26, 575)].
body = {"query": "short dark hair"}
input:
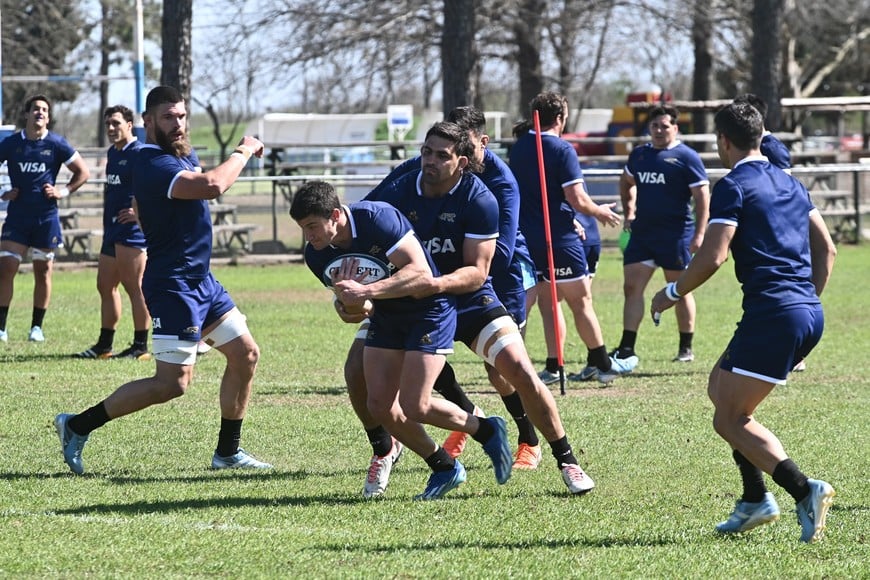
[(314, 198), (161, 95), (469, 118), (741, 123), (462, 145), (29, 102), (549, 105), (753, 100), (662, 110), (125, 112)]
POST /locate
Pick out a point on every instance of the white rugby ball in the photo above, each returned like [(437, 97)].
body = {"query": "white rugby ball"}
[(368, 269)]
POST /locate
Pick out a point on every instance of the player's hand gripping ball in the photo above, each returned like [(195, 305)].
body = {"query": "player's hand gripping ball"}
[(360, 268)]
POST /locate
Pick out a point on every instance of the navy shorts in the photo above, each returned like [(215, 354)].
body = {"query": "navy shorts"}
[(34, 232), (515, 304), (569, 263), (767, 346), (125, 234), (593, 254), (430, 332), (671, 254), (474, 311), (180, 309)]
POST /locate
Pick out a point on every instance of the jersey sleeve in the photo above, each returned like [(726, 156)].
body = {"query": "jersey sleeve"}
[(726, 203)]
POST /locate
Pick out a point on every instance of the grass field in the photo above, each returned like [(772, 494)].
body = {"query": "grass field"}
[(148, 506)]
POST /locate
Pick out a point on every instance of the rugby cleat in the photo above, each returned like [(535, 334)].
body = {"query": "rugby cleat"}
[(587, 373), (813, 509), (441, 482), (499, 451), (240, 460), (548, 378), (750, 515), (36, 335), (454, 445), (684, 355), (4, 336), (527, 457), (136, 352), (576, 479), (618, 366), (380, 468), (71, 443), (95, 352)]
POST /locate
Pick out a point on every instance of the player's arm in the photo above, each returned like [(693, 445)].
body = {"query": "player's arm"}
[(701, 197), (822, 251), (80, 174), (628, 197), (709, 258), (477, 256), (211, 184), (576, 195), (412, 276)]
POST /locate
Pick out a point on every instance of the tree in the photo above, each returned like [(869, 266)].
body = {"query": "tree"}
[(116, 45), (767, 56), (458, 53), (177, 62), (27, 52)]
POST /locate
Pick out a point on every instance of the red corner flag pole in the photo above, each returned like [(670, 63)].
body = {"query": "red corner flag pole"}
[(548, 238)]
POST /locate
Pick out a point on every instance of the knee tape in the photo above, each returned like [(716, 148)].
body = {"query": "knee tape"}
[(233, 326), (42, 256), (494, 337), (8, 254)]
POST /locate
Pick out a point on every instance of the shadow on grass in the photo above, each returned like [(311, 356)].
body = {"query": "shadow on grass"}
[(36, 357), (166, 506), (609, 542)]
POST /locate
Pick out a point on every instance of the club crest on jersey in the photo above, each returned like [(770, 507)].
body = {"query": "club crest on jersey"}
[(650, 177), (32, 166), (45, 153), (412, 216), (440, 246), (447, 217)]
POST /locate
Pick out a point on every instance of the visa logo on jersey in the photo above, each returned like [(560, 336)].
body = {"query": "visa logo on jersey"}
[(113, 179), (440, 246), (650, 177), (32, 167)]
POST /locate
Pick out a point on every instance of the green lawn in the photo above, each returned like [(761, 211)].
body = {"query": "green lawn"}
[(148, 506)]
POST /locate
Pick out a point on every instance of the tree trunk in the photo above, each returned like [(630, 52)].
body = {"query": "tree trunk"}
[(527, 34), (702, 39), (458, 55), (767, 57), (176, 61)]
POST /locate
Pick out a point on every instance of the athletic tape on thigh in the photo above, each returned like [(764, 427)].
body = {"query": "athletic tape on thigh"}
[(363, 331), (233, 326), (8, 254), (42, 256), (494, 337), (174, 351)]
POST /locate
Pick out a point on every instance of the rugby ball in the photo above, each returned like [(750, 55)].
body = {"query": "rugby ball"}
[(368, 269)]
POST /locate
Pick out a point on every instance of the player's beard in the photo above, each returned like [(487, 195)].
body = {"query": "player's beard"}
[(179, 148)]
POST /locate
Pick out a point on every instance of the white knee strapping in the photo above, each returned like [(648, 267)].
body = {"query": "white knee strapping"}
[(494, 337), (233, 326), (42, 256), (8, 254), (363, 331)]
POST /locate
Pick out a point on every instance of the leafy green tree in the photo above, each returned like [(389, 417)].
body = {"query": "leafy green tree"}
[(38, 39)]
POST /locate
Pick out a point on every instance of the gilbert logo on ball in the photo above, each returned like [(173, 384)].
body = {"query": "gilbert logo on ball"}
[(365, 269)]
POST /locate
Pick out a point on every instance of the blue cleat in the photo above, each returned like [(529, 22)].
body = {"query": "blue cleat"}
[(812, 510), (548, 378), (618, 366), (441, 482), (240, 460), (71, 443), (499, 451), (748, 515)]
